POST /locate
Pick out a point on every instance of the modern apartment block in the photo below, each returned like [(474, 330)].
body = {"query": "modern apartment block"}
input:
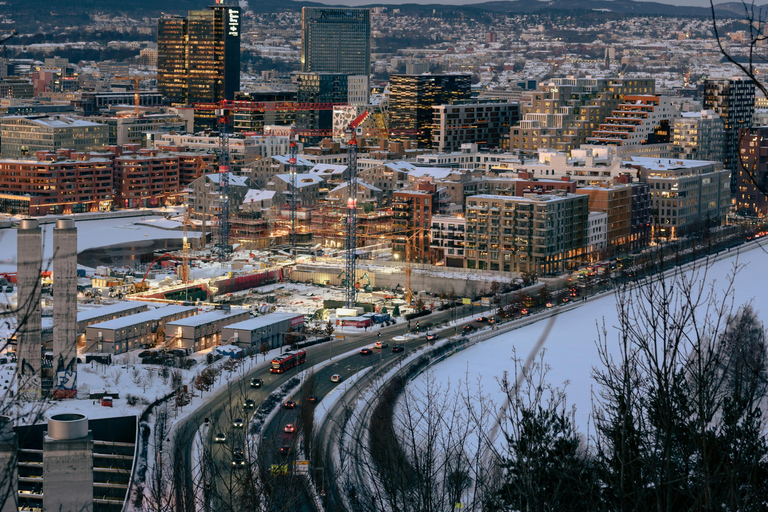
[(616, 202), (198, 57), (752, 167), (484, 124), (25, 136), (55, 183), (686, 195), (544, 233), (412, 211), (562, 113), (319, 88), (638, 120), (698, 136), (336, 40), (734, 101), (447, 237), (412, 98), (146, 179)]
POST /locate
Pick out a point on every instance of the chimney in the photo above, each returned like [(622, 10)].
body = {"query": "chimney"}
[(68, 464), (29, 259), (65, 309), (8, 464)]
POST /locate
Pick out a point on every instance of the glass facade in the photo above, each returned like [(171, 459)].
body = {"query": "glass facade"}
[(336, 40), (198, 59)]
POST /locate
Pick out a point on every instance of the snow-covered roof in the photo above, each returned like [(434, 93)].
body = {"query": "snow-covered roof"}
[(57, 121), (205, 318), (302, 179), (359, 184), (120, 307), (328, 169), (258, 195), (146, 316), (438, 173), (260, 322), (240, 181), (284, 159), (659, 164)]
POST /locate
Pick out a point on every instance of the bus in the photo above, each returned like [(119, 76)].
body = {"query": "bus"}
[(288, 361)]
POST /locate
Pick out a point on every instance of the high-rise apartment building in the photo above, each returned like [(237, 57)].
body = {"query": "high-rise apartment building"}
[(481, 123), (541, 233), (752, 168), (412, 97), (734, 101), (561, 114), (639, 119), (336, 40), (198, 57), (698, 136)]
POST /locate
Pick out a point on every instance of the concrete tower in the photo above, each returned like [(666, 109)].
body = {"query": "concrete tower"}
[(65, 309), (68, 464), (9, 478), (29, 259)]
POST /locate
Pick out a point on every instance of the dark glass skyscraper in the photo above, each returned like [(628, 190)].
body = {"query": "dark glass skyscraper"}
[(336, 40), (198, 57), (411, 98)]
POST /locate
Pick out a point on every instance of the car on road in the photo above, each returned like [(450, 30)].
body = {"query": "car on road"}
[(381, 344), (249, 404), (335, 377), (468, 328), (256, 383), (397, 348), (289, 428), (285, 449), (481, 319), (432, 336), (238, 460), (290, 404), (366, 351), (312, 399), (238, 423), (220, 438)]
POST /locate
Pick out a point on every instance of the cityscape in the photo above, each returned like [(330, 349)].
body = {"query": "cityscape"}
[(374, 258)]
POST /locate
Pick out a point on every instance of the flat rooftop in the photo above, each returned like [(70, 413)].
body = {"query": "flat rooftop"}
[(206, 318), (120, 307), (146, 316), (260, 322)]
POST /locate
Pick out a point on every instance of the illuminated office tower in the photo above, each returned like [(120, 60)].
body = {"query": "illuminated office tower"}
[(336, 40)]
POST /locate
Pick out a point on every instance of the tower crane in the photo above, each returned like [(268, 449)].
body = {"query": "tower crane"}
[(351, 136), (292, 158), (222, 245), (136, 89)]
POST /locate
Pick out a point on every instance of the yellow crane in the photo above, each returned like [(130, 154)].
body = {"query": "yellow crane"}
[(136, 90)]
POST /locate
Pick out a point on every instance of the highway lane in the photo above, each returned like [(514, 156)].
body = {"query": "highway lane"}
[(228, 405)]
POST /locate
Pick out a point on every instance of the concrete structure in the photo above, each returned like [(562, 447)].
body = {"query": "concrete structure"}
[(638, 120), (262, 171), (447, 240), (203, 331), (616, 202), (135, 331), (358, 90), (204, 198), (65, 309), (597, 235), (412, 97), (68, 464), (560, 114), (243, 149), (104, 313), (752, 167), (336, 40), (308, 188), (484, 124), (698, 136), (734, 100), (9, 483), (686, 195), (25, 136), (266, 330), (28, 344), (544, 234)]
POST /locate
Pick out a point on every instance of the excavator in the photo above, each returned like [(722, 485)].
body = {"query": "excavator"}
[(143, 286)]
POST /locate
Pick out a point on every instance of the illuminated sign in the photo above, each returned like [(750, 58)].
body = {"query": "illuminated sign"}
[(234, 22)]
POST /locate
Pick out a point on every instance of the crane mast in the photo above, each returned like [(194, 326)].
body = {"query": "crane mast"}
[(223, 249), (292, 158), (351, 220)]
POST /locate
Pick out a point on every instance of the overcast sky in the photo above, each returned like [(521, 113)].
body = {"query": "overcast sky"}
[(699, 3)]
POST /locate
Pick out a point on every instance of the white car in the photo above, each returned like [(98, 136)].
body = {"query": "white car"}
[(335, 377)]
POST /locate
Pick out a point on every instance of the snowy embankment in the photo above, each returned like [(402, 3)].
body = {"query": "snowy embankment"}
[(570, 349), (93, 234)]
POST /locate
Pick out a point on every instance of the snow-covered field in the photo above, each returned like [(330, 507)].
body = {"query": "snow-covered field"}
[(92, 234), (570, 347)]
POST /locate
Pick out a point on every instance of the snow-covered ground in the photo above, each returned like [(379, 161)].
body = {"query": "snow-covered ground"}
[(92, 234), (570, 347)]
